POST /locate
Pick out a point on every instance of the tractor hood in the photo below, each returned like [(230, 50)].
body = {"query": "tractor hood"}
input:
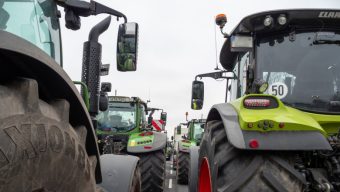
[(263, 122), (278, 117), (146, 142)]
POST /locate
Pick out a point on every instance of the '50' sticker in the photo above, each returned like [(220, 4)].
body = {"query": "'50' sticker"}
[(278, 89)]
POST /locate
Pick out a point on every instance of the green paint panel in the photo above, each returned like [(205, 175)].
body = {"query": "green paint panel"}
[(265, 120), (137, 140), (187, 145)]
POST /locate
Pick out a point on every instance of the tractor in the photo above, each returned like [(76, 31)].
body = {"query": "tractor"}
[(280, 129), (123, 129), (179, 132), (193, 138), (48, 140)]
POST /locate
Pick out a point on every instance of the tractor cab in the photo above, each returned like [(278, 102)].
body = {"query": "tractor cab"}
[(286, 54), (291, 54), (195, 130), (124, 115)]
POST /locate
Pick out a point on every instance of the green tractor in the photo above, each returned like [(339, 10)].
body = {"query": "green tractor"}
[(280, 131), (47, 137), (123, 129), (192, 138)]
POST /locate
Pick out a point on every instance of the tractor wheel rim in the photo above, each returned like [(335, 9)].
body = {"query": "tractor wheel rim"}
[(204, 177)]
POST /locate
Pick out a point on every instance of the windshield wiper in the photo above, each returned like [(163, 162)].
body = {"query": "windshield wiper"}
[(322, 42)]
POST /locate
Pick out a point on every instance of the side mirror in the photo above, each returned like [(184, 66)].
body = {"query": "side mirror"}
[(178, 129), (163, 116), (127, 46), (106, 87), (150, 120), (197, 95), (103, 101), (172, 138)]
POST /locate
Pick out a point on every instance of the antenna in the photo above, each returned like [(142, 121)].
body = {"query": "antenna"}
[(216, 68), (149, 100)]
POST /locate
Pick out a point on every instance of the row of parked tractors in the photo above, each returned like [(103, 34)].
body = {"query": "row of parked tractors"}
[(277, 131)]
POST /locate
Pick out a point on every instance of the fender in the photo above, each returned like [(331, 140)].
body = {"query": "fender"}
[(193, 168), (274, 140), (158, 143), (20, 58), (117, 172)]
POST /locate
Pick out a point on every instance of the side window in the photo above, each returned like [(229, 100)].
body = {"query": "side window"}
[(239, 85), (244, 63), (143, 120)]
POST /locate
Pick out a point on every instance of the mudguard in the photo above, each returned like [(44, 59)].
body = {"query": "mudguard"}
[(117, 172), (136, 143), (273, 140), (20, 58), (193, 168)]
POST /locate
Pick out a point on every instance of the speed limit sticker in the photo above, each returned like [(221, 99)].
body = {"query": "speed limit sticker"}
[(278, 89)]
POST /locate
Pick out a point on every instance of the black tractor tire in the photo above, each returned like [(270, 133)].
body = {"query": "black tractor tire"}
[(39, 149), (232, 169), (193, 168), (152, 166), (183, 168), (136, 182)]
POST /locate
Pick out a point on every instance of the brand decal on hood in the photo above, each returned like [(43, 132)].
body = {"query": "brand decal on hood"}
[(326, 14)]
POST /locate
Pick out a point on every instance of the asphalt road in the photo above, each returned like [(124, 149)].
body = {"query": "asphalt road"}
[(171, 182)]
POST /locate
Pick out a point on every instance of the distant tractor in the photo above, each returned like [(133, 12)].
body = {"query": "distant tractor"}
[(280, 130), (179, 131), (193, 138), (123, 129)]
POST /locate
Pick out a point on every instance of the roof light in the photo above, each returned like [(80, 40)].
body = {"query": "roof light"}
[(254, 144), (256, 102), (282, 20), (268, 21)]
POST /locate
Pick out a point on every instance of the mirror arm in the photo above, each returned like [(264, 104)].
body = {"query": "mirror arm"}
[(216, 75), (74, 9), (100, 8)]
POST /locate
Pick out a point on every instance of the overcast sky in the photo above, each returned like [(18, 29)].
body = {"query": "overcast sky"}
[(176, 42)]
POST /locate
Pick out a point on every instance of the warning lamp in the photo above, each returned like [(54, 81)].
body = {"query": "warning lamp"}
[(254, 144), (146, 133), (256, 102), (281, 125), (221, 20)]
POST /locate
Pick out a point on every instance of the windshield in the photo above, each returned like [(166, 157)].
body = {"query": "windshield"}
[(35, 21), (198, 130), (302, 69), (119, 117)]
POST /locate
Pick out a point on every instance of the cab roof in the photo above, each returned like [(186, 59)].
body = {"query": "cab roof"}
[(124, 99)]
